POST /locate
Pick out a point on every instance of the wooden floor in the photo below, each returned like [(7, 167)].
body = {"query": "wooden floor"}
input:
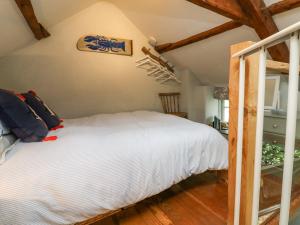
[(200, 200)]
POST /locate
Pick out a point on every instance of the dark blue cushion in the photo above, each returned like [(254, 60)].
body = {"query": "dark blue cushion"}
[(50, 117), (20, 118)]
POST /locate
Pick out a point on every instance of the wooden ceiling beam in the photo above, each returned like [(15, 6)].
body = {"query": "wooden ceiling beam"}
[(282, 6), (274, 9), (198, 37), (229, 8), (27, 10), (264, 26)]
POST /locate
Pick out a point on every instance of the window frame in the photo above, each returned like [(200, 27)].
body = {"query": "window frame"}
[(222, 108)]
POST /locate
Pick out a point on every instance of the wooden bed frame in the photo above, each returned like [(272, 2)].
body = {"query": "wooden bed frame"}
[(222, 177), (102, 216), (251, 89)]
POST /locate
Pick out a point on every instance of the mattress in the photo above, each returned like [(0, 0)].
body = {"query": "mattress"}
[(103, 163)]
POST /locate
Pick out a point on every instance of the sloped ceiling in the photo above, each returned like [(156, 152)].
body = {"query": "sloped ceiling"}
[(173, 20), (14, 31), (166, 20)]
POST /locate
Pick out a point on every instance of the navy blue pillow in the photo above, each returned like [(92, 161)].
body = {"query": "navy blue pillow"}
[(50, 117), (20, 118)]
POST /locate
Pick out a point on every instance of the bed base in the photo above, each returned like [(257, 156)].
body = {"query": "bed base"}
[(102, 216), (220, 174)]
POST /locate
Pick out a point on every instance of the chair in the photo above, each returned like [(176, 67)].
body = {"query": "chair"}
[(170, 104)]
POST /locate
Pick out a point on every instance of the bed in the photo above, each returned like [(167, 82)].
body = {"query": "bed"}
[(102, 163)]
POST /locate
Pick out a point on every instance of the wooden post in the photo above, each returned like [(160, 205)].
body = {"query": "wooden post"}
[(252, 63)]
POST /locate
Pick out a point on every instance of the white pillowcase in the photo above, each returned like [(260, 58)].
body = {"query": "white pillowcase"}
[(3, 129), (7, 142)]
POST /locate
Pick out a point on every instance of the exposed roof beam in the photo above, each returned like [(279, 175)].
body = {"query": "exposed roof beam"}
[(276, 8), (26, 8), (228, 8), (198, 37), (283, 6), (264, 26)]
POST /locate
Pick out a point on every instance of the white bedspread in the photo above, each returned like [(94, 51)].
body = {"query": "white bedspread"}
[(102, 163)]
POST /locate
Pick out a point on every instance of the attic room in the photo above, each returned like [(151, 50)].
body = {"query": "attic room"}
[(173, 112)]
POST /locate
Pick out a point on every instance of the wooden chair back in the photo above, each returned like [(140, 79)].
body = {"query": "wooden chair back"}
[(170, 102)]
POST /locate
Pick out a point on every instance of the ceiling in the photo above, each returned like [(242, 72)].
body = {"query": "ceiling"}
[(173, 20), (14, 31), (167, 21)]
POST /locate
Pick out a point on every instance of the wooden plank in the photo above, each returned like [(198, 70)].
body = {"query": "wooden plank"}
[(26, 8), (163, 218), (205, 191), (98, 218), (247, 185), (233, 125), (282, 6), (103, 216), (158, 59), (251, 89), (228, 8), (198, 37), (183, 210), (274, 66), (280, 67), (264, 26)]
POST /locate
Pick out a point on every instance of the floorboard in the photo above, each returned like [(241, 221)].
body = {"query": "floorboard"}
[(199, 200)]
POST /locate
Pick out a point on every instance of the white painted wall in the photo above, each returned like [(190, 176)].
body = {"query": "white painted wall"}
[(209, 105), (189, 103), (76, 83), (198, 99)]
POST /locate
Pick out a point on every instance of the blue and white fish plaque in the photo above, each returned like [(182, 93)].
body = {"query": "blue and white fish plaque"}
[(98, 43)]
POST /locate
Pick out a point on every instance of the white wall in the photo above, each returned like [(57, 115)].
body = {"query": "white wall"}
[(189, 100), (209, 105), (198, 99), (76, 83)]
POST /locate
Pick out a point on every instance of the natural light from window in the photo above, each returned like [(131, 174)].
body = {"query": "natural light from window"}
[(225, 110)]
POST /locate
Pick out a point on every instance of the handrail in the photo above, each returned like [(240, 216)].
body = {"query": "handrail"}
[(291, 33), (269, 41)]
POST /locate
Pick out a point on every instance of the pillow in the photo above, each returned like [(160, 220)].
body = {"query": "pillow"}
[(50, 117), (20, 118), (3, 129), (7, 142)]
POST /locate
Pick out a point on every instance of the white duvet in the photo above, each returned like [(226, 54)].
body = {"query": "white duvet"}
[(103, 163)]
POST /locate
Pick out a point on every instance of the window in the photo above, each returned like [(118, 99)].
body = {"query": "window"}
[(224, 110)]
